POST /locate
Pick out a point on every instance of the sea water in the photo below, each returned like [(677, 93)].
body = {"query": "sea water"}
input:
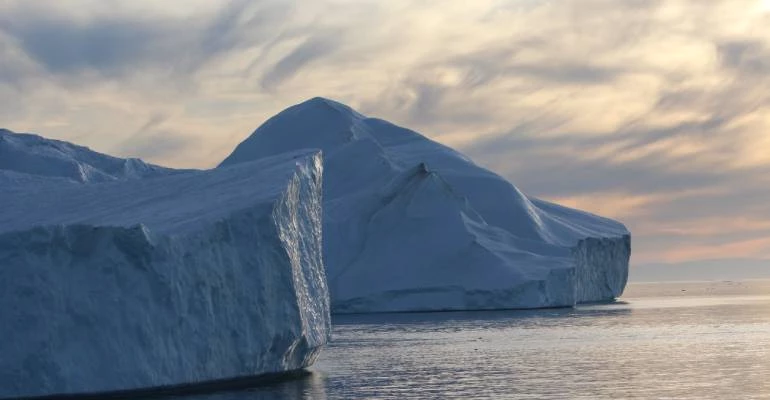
[(697, 340)]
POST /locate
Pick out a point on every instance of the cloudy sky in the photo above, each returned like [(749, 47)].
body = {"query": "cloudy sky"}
[(656, 113)]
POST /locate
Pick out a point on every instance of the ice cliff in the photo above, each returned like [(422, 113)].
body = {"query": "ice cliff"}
[(138, 283), (412, 225)]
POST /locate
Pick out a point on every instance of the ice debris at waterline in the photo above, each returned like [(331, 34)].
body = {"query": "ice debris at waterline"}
[(172, 280), (412, 225)]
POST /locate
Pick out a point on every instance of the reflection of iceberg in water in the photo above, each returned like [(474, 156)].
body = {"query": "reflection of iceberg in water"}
[(308, 385), (482, 318), (616, 350)]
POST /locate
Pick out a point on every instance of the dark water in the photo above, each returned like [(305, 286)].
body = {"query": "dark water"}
[(675, 341)]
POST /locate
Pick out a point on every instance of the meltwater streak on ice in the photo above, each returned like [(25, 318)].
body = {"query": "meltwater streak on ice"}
[(710, 341)]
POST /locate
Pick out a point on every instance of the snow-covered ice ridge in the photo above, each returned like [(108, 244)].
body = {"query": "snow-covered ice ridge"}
[(177, 279), (32, 154), (412, 225)]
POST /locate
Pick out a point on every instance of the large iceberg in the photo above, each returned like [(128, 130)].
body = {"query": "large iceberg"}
[(412, 225), (175, 280)]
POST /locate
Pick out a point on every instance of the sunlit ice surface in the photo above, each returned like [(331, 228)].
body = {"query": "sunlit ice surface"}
[(693, 340)]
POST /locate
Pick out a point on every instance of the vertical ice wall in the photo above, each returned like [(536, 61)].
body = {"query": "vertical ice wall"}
[(175, 280)]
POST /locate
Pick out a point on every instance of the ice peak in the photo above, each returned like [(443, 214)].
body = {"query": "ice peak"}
[(317, 123), (317, 102), (423, 168), (321, 110), (419, 181)]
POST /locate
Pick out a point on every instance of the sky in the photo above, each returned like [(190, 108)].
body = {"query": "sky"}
[(656, 113)]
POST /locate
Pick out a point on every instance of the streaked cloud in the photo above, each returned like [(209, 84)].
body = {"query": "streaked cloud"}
[(288, 66), (656, 112)]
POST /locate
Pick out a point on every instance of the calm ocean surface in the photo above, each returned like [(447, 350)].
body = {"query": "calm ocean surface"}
[(660, 341)]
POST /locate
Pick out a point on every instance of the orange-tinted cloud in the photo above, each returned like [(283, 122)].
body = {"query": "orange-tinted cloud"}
[(656, 113), (754, 248)]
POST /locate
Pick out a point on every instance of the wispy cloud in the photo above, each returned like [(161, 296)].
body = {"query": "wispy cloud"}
[(288, 66), (656, 112)]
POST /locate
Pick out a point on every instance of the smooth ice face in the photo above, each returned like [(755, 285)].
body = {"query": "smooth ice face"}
[(180, 279), (412, 225)]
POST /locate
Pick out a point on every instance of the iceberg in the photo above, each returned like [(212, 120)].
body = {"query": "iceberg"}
[(412, 225), (185, 278), (39, 156)]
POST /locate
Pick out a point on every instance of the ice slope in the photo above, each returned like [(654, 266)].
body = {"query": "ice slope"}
[(174, 280), (412, 225), (36, 155)]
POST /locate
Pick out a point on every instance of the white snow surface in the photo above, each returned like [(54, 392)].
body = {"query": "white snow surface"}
[(178, 279), (36, 155), (412, 225)]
